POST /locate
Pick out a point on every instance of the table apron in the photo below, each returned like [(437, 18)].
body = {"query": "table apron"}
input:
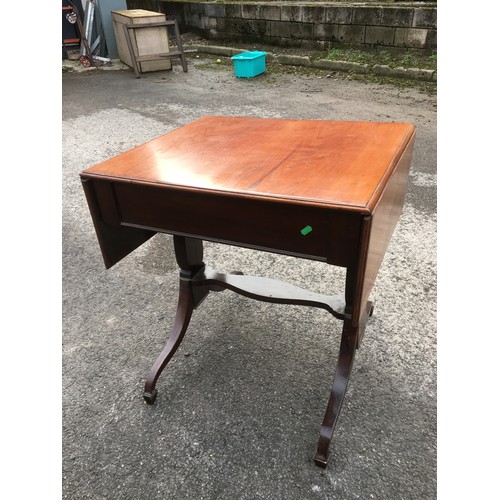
[(316, 233)]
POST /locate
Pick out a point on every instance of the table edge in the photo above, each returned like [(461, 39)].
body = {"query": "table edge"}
[(367, 209), (293, 200)]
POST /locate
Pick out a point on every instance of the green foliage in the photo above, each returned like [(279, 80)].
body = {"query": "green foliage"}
[(394, 59)]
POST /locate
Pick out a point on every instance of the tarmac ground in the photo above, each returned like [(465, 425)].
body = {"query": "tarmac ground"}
[(240, 405)]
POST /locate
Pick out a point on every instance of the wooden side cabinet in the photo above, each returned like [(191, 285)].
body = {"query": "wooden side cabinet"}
[(151, 40)]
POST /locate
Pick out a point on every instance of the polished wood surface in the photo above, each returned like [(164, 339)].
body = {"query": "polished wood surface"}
[(384, 220), (115, 240), (321, 190), (330, 163)]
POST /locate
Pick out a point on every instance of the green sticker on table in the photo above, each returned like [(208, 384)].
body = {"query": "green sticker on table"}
[(306, 230)]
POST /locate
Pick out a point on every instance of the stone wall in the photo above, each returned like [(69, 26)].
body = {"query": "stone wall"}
[(314, 26)]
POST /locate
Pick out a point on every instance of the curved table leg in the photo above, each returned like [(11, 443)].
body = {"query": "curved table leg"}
[(189, 256), (184, 310), (348, 345), (196, 281)]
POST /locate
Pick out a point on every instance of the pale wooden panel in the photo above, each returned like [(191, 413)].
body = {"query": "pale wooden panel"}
[(152, 40)]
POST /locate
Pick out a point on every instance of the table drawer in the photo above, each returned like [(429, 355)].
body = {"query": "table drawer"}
[(312, 232)]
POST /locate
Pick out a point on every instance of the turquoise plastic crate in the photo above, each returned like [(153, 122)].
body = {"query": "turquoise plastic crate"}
[(249, 64)]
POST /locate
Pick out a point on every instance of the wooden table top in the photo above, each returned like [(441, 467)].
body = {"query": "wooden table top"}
[(310, 162)]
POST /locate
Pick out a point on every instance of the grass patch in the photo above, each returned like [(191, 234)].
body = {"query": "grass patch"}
[(400, 83), (273, 69), (393, 59)]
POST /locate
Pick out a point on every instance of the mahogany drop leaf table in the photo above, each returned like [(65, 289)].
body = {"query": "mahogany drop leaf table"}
[(329, 191)]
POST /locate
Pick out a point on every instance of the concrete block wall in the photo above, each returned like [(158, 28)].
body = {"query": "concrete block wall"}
[(316, 26)]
